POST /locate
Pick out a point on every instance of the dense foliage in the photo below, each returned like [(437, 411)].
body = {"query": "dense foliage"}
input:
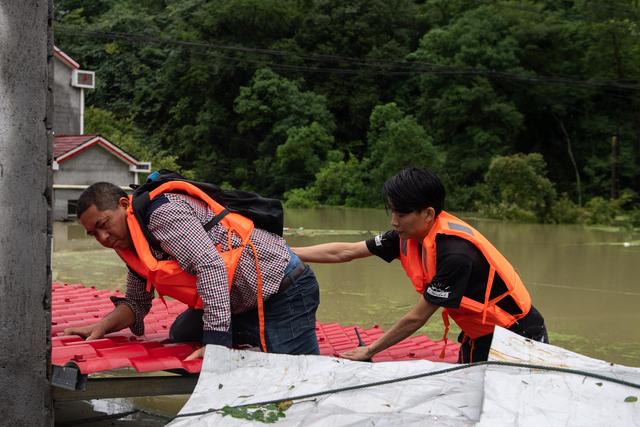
[(527, 109)]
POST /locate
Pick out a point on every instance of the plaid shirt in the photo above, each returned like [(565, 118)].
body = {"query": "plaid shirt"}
[(178, 227)]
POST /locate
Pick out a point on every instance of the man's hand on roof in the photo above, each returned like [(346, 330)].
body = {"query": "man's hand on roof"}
[(359, 354), (92, 332)]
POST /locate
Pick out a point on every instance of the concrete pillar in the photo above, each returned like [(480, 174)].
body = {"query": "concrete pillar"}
[(26, 46)]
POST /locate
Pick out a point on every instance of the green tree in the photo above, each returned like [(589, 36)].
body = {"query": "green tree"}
[(518, 188), (276, 112), (302, 155), (481, 79), (125, 135), (353, 40), (396, 141), (613, 53), (340, 183), (467, 112)]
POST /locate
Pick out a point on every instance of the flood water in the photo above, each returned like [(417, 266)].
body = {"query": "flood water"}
[(583, 280)]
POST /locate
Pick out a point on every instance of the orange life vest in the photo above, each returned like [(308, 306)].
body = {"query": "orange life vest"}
[(475, 318), (166, 276)]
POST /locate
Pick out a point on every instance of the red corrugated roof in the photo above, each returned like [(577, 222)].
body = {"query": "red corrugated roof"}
[(77, 305), (65, 143), (68, 146)]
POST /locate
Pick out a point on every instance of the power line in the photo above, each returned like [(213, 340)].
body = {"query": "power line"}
[(381, 67)]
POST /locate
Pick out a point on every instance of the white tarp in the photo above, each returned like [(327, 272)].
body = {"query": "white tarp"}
[(483, 395), (532, 397)]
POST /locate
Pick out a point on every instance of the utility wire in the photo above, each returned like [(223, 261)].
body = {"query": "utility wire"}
[(381, 67)]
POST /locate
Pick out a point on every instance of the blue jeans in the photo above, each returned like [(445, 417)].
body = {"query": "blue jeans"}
[(290, 320)]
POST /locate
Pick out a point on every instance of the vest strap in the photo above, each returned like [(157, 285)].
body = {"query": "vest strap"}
[(487, 293), (263, 340), (140, 205), (140, 202), (473, 347), (445, 338), (163, 301)]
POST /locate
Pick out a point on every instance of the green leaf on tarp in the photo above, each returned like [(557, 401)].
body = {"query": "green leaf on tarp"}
[(272, 417), (268, 414), (631, 399), (240, 412), (258, 415)]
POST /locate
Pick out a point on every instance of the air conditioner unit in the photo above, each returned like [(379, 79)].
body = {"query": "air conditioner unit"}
[(143, 167), (83, 79)]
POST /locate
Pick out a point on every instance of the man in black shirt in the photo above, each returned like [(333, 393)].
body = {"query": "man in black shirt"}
[(462, 273)]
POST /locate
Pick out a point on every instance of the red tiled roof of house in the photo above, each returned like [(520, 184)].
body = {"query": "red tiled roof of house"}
[(65, 143), (76, 305), (68, 146)]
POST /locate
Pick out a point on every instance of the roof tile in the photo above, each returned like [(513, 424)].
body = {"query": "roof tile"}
[(65, 143), (76, 305)]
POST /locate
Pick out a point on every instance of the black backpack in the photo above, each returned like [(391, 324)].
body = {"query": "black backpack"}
[(265, 213)]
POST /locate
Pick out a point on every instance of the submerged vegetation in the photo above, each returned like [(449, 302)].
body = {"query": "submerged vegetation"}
[(528, 110)]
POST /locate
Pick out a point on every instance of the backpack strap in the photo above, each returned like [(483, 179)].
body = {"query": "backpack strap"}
[(140, 203), (215, 220)]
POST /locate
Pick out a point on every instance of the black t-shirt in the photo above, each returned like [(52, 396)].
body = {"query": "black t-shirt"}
[(461, 270)]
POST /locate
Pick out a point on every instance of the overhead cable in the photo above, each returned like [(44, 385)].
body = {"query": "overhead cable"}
[(354, 65)]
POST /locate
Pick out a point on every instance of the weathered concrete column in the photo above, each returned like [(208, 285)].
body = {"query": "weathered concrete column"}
[(26, 46)]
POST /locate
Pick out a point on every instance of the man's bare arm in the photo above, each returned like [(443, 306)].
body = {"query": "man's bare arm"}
[(334, 252), (403, 328)]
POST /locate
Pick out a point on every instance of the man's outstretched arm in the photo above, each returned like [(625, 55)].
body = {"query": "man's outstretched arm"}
[(334, 252), (130, 312), (403, 328), (121, 317)]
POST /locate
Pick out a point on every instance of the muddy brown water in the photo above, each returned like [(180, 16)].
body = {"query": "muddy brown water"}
[(583, 280)]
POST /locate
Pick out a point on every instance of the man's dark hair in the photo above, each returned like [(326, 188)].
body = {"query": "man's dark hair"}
[(102, 194), (412, 190)]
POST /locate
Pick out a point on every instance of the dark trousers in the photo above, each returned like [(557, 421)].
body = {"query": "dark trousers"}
[(290, 320), (531, 326)]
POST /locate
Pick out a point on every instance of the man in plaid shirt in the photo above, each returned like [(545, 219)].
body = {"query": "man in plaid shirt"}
[(229, 317)]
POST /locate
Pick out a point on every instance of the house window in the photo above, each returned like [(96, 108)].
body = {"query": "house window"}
[(72, 208)]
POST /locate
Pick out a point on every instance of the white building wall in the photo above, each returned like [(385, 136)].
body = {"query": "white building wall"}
[(66, 101)]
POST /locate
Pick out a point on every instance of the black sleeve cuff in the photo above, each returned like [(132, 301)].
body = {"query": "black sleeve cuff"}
[(217, 338), (137, 328), (385, 246), (117, 300)]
